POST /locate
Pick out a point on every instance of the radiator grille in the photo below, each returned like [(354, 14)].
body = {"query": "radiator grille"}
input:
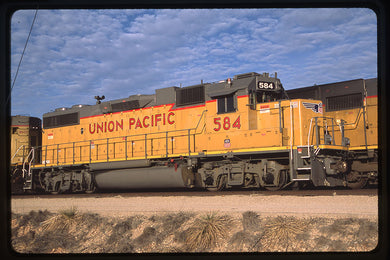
[(190, 95), (349, 101), (61, 120), (123, 106)]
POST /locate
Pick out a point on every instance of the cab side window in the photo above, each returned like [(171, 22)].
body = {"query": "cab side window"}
[(226, 104), (264, 97)]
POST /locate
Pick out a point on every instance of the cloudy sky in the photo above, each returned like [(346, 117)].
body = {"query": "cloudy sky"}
[(74, 55)]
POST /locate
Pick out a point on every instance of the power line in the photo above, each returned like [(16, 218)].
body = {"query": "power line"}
[(21, 58)]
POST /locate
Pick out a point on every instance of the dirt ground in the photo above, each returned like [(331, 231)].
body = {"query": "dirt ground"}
[(174, 224), (76, 232), (337, 205)]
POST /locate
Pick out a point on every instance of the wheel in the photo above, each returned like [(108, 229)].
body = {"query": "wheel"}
[(282, 182), (17, 181), (90, 186), (56, 189), (221, 184), (355, 180)]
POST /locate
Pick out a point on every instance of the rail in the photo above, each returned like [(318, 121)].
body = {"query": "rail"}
[(137, 146)]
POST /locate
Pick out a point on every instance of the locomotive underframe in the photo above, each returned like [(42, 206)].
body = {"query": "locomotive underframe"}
[(268, 170), (73, 178), (364, 168)]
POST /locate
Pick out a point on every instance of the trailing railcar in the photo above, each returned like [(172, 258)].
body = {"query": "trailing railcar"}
[(240, 132), (356, 102), (26, 133)]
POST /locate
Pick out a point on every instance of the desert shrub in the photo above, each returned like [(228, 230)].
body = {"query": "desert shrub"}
[(122, 227), (33, 217), (124, 247), (322, 243), (46, 242), (344, 221), (180, 236), (206, 231), (340, 227), (136, 220), (91, 220), (147, 237), (119, 232), (65, 220), (170, 223), (337, 245), (367, 229), (241, 238), (303, 236), (173, 222), (281, 230), (250, 221)]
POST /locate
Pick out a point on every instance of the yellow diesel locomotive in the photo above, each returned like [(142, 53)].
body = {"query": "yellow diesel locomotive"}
[(238, 132), (26, 133)]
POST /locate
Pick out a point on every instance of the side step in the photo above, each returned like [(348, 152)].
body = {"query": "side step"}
[(304, 169), (304, 174), (27, 185)]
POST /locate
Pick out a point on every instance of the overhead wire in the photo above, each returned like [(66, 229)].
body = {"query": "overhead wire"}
[(21, 58)]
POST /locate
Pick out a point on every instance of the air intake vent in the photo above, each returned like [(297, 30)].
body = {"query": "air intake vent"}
[(190, 95), (123, 106), (349, 101), (61, 120)]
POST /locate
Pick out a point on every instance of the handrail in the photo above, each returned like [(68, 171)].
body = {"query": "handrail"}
[(32, 159), (317, 125), (126, 140), (24, 163), (308, 137), (123, 136), (204, 112), (17, 152)]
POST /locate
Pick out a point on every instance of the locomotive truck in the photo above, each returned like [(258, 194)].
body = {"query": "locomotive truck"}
[(239, 132)]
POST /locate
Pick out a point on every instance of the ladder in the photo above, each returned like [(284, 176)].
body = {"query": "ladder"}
[(27, 176)]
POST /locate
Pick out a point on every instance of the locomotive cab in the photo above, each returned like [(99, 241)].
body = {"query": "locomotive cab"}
[(267, 89)]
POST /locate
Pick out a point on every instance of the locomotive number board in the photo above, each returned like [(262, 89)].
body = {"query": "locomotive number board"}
[(265, 85)]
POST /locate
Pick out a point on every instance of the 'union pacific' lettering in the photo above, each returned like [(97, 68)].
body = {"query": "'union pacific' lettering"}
[(151, 121), (134, 123), (104, 127)]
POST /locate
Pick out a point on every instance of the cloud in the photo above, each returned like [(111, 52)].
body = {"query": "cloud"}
[(74, 55)]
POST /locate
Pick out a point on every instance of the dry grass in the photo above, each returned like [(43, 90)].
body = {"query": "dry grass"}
[(65, 220), (281, 230), (71, 231), (206, 231)]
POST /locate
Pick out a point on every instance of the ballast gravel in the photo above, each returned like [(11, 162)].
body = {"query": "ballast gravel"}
[(117, 206)]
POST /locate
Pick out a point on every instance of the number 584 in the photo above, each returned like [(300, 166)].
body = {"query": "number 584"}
[(225, 123)]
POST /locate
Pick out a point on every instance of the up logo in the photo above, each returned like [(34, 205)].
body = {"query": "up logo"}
[(317, 108)]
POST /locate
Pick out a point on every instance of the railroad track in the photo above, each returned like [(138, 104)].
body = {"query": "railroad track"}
[(189, 193)]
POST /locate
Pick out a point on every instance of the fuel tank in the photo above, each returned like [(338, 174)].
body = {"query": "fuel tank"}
[(140, 178)]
